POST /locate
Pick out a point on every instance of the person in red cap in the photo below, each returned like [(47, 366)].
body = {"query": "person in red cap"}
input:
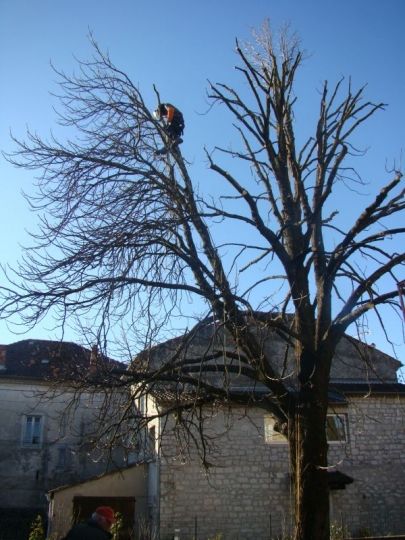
[(96, 528)]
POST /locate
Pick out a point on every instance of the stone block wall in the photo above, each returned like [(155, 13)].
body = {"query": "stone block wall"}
[(246, 493), (375, 458), (231, 497), (27, 473)]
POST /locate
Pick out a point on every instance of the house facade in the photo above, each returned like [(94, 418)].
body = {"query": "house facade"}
[(44, 423), (244, 491), (247, 492)]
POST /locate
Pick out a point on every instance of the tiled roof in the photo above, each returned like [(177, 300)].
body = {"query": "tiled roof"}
[(209, 341), (47, 360)]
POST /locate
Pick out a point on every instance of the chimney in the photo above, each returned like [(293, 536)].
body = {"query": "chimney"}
[(3, 355), (93, 360)]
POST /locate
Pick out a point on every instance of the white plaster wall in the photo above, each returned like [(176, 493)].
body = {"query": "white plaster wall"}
[(130, 482)]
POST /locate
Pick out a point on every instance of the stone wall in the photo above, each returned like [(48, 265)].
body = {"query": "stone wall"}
[(246, 494), (232, 496), (28, 472), (374, 457)]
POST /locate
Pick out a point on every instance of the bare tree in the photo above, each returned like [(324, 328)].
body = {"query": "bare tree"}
[(126, 235)]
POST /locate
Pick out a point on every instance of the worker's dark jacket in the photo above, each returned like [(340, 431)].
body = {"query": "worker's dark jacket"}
[(175, 121), (87, 531)]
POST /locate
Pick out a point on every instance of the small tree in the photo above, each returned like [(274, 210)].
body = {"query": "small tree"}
[(125, 235), (37, 531)]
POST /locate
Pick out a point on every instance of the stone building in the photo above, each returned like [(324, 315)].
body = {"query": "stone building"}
[(44, 441), (245, 490), (246, 493)]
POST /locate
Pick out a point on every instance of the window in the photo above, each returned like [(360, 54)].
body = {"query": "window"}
[(152, 439), (63, 458), (336, 427), (270, 434), (32, 430), (62, 425), (142, 404)]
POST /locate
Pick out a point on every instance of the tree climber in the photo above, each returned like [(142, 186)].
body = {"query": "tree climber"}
[(173, 125)]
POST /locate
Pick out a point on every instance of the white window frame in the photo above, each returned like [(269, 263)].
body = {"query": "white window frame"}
[(342, 429), (270, 435), (63, 457), (32, 437), (274, 437)]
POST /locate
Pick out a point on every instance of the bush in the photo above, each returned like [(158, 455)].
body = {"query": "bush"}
[(37, 530), (117, 526)]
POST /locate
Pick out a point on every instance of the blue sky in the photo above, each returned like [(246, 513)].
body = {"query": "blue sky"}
[(178, 46)]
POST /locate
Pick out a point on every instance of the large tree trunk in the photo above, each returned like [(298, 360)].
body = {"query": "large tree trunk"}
[(308, 447)]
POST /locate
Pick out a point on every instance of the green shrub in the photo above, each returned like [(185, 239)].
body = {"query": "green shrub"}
[(117, 526), (37, 530)]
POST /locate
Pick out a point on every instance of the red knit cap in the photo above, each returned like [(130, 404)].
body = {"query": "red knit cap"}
[(107, 512)]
